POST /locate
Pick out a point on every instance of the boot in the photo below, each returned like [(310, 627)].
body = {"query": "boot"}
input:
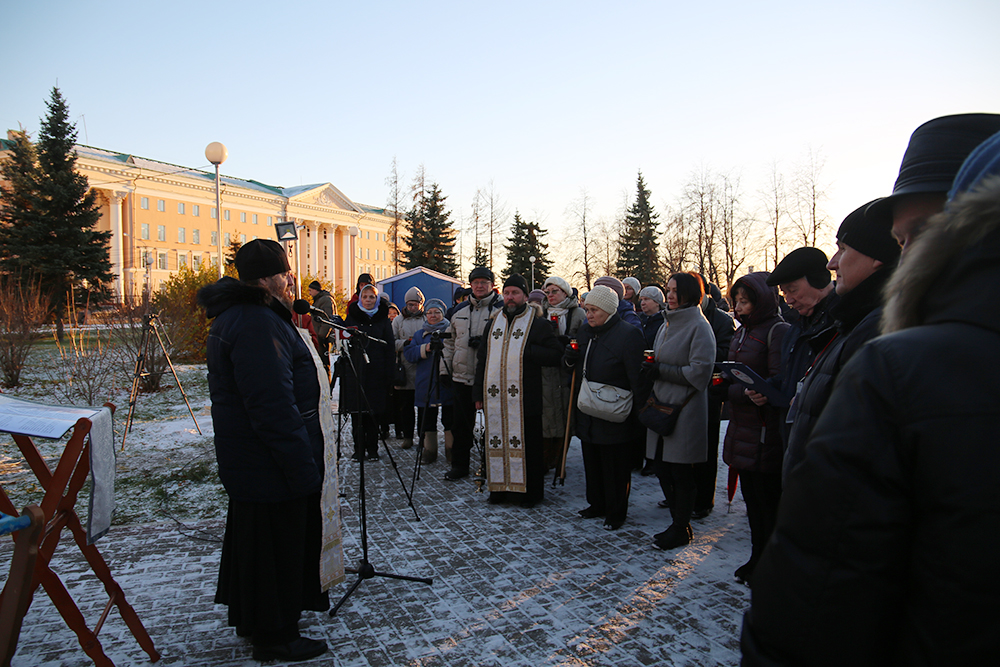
[(449, 440), (674, 536), (407, 443), (430, 447)]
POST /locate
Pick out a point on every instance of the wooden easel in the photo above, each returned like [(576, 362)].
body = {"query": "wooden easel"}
[(61, 489)]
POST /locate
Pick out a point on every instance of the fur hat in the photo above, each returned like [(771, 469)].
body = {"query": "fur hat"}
[(870, 234), (633, 283), (612, 282), (604, 298), (808, 263), (261, 258), (414, 294), (560, 283), (518, 281), (536, 295), (655, 293)]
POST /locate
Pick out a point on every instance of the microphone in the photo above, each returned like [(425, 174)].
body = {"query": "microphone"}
[(302, 307)]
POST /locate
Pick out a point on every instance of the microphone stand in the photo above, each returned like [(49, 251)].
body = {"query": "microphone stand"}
[(365, 570)]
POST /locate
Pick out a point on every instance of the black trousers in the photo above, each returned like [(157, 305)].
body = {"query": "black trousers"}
[(404, 416), (464, 420), (608, 472), (427, 418), (679, 478), (762, 492), (705, 473), (365, 430)]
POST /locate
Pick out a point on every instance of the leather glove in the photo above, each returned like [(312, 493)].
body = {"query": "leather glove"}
[(570, 355)]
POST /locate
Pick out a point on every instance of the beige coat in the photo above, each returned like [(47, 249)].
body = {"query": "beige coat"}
[(685, 340), (466, 322), (403, 328)]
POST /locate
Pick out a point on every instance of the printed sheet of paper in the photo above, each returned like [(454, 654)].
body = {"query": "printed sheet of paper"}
[(37, 420)]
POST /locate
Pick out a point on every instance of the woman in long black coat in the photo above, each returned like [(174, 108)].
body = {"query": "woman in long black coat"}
[(373, 363)]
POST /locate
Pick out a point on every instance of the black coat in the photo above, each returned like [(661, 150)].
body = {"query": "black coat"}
[(723, 327), (616, 359), (541, 349), (857, 316), (650, 325), (265, 396), (376, 372), (885, 550)]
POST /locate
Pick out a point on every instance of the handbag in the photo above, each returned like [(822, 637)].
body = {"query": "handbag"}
[(662, 417), (604, 401)]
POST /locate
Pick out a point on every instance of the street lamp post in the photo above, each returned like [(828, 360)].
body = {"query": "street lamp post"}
[(532, 260), (216, 153)]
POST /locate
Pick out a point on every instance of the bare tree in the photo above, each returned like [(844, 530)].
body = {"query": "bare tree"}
[(735, 237), (677, 244), (699, 206), (808, 192), (23, 308), (495, 218), (774, 200), (583, 235), (394, 204)]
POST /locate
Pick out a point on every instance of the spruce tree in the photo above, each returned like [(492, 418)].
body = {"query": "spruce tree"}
[(56, 239), (638, 245), (481, 256), (526, 242), (18, 194), (431, 237)]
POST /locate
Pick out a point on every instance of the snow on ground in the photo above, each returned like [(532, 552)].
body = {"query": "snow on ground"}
[(510, 586)]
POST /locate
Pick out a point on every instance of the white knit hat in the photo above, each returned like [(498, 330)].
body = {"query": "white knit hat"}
[(560, 283), (655, 293), (604, 298), (633, 283)]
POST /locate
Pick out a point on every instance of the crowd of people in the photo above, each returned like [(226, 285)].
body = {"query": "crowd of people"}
[(857, 431)]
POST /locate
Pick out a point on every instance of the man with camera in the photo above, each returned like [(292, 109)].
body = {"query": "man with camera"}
[(322, 300), (466, 329)]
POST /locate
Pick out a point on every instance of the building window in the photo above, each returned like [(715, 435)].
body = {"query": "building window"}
[(255, 218), (161, 233), (243, 216), (270, 220), (368, 253), (226, 237), (368, 236), (225, 214), (182, 261), (180, 208), (195, 210), (255, 237), (161, 205), (161, 261), (181, 233), (195, 262), (215, 239), (144, 231), (196, 236), (243, 239), (215, 213), (144, 203)]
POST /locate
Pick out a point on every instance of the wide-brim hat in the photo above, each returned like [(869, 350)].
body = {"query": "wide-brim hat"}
[(936, 152)]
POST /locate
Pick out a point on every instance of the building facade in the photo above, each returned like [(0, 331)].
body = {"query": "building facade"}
[(163, 217)]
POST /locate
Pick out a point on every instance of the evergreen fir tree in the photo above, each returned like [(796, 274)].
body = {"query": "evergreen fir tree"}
[(57, 238), (638, 245), (481, 256), (431, 236), (18, 195), (526, 242)]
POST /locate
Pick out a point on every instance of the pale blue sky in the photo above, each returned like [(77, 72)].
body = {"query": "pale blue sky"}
[(541, 98)]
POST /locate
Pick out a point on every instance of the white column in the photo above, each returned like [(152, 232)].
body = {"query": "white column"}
[(115, 200), (314, 248), (331, 253)]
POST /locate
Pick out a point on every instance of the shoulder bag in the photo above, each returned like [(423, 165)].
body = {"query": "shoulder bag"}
[(662, 417), (604, 401)]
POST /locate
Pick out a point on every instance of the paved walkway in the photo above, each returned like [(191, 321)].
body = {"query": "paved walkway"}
[(511, 586)]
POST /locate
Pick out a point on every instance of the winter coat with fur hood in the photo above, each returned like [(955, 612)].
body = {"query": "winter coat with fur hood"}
[(753, 438), (885, 550), (265, 396)]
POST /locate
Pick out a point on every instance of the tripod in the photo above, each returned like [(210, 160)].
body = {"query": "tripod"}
[(434, 382), (365, 569), (151, 324)]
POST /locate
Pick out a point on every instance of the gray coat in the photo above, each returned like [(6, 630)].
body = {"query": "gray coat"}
[(555, 383), (403, 329), (685, 359)]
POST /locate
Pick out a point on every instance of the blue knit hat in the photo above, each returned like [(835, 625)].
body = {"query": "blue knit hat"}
[(982, 162)]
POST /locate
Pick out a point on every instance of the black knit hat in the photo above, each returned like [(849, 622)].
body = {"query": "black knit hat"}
[(261, 258), (808, 263), (316, 286), (936, 152), (518, 281), (869, 231), (481, 272)]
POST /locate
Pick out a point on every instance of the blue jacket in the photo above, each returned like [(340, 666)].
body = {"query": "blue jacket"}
[(626, 311), (416, 353), (265, 396)]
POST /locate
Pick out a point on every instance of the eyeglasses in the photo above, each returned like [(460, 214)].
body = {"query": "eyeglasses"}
[(554, 290)]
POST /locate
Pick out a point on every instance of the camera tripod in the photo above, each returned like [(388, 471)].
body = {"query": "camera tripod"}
[(150, 325)]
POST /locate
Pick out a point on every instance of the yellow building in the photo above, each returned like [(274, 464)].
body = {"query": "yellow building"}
[(162, 216)]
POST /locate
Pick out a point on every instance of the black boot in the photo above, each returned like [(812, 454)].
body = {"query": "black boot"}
[(673, 537)]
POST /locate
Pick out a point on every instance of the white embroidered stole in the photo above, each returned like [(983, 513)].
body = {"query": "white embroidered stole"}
[(331, 555), (502, 397)]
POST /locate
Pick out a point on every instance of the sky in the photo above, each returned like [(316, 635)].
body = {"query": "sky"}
[(540, 100)]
